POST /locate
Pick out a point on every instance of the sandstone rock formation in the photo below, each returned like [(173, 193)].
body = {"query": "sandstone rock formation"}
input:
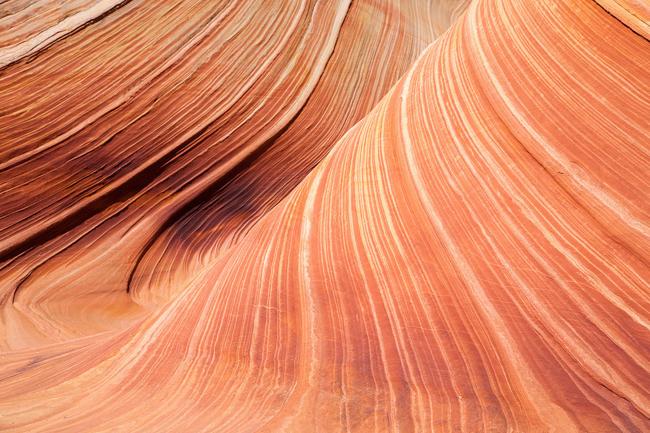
[(324, 216)]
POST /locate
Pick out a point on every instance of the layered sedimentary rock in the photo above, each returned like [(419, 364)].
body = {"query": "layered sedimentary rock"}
[(206, 226), (175, 128)]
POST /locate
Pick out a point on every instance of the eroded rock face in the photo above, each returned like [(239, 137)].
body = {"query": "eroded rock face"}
[(237, 217)]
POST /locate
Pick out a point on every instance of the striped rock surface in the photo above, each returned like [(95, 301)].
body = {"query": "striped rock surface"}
[(303, 216), (175, 128)]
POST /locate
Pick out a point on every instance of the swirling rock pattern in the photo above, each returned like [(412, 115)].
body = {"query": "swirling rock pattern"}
[(301, 216)]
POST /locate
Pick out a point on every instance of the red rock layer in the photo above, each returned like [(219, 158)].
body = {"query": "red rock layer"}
[(470, 257), (124, 176)]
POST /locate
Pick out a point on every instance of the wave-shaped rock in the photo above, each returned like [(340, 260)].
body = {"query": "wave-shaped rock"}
[(173, 130), (206, 226)]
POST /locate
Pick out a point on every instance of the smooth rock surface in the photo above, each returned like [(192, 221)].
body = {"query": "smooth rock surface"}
[(335, 216)]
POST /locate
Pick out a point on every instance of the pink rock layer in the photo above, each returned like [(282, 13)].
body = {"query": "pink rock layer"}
[(237, 217)]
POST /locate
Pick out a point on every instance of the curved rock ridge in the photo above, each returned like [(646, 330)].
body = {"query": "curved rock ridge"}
[(219, 233), (125, 176), (633, 13)]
